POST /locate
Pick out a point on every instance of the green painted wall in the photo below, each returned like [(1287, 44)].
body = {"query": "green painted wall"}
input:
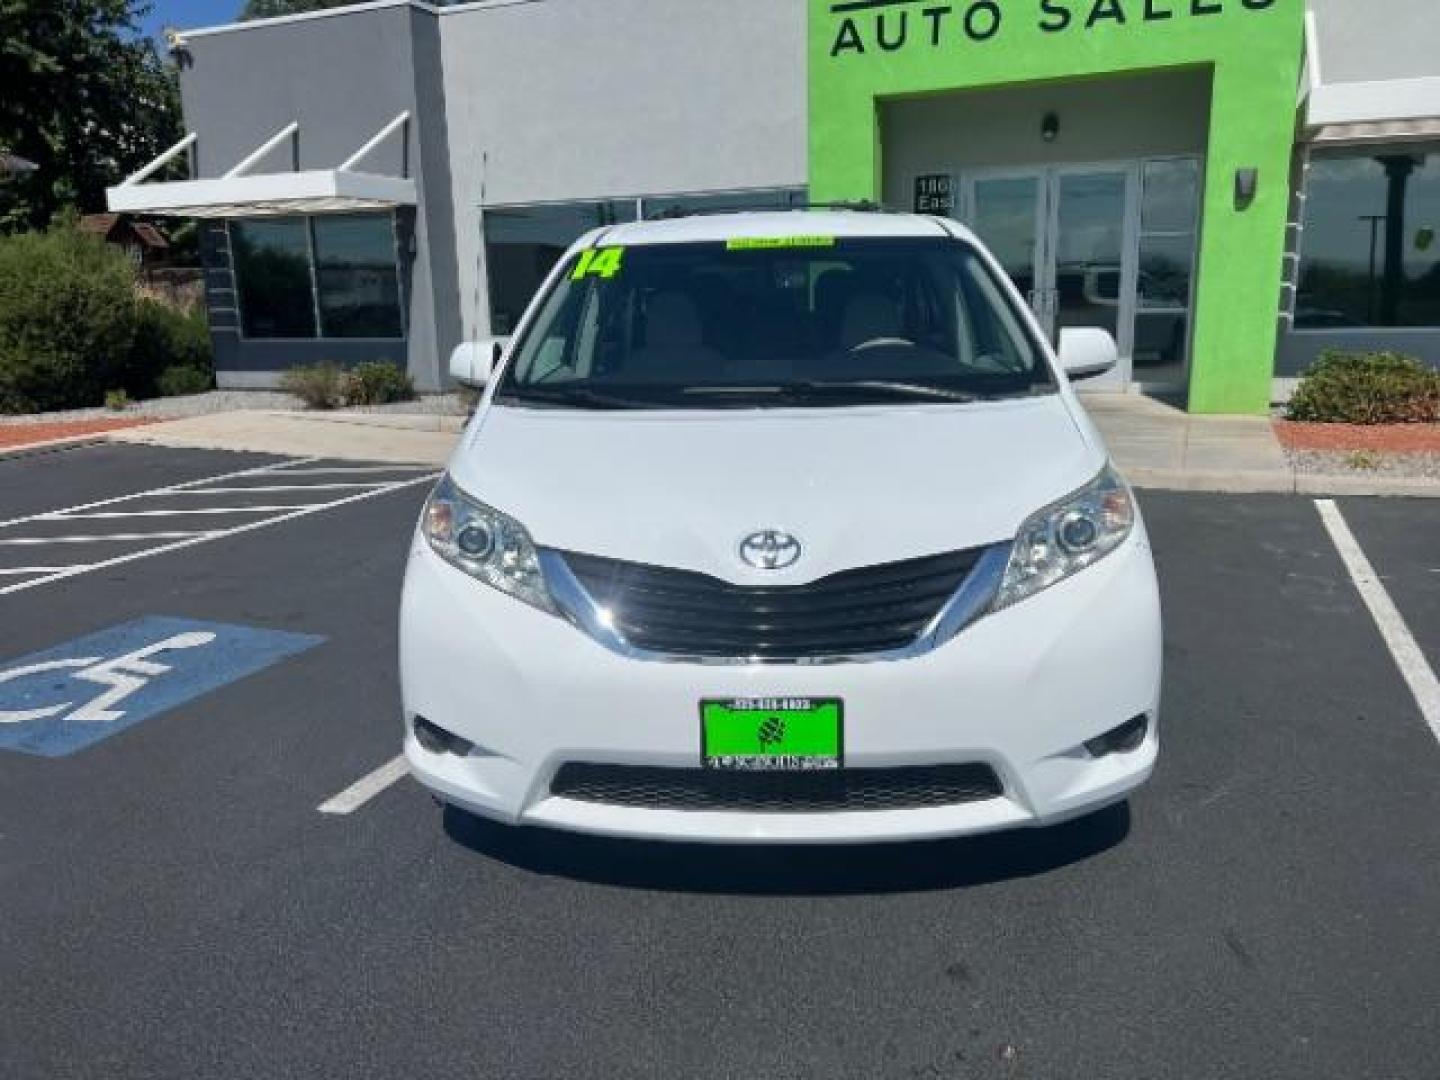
[(1253, 47)]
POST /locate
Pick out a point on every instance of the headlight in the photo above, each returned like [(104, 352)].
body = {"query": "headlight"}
[(1065, 538), (486, 544)]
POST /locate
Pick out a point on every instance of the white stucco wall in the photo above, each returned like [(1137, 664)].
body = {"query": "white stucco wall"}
[(554, 100)]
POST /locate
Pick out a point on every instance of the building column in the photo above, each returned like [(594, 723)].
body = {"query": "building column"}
[(1242, 246)]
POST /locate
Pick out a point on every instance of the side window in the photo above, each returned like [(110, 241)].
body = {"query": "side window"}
[(587, 342), (996, 338), (548, 359)]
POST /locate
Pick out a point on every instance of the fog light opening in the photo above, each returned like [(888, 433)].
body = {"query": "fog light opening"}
[(1121, 740), (437, 740)]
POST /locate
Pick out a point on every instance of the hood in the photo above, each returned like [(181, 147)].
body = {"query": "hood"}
[(856, 487)]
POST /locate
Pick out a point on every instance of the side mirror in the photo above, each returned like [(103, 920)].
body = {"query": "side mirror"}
[(473, 362), (1087, 351)]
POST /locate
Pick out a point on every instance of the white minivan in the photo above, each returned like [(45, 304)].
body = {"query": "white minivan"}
[(781, 527)]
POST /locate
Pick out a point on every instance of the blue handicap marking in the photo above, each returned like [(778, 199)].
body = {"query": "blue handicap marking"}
[(62, 700)]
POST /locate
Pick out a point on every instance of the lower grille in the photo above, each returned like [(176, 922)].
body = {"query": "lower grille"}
[(857, 612), (650, 788)]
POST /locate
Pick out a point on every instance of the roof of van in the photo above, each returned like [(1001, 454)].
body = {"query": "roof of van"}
[(763, 225)]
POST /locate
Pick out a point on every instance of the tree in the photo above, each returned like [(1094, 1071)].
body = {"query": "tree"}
[(268, 9), (87, 99)]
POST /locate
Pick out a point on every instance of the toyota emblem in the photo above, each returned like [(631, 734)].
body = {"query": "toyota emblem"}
[(770, 549)]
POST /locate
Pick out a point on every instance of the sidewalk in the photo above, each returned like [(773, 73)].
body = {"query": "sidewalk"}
[(1162, 447), (1156, 445), (398, 439)]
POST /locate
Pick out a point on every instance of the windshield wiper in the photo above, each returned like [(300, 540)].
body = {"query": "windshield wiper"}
[(575, 397), (861, 388)]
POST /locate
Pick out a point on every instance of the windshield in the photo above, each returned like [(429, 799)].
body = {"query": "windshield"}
[(805, 321)]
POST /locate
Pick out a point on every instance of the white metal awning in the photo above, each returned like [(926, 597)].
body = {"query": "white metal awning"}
[(1397, 110), (1379, 131), (1383, 111), (239, 193)]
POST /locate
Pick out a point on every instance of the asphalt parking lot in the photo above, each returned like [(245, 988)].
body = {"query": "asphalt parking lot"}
[(173, 902)]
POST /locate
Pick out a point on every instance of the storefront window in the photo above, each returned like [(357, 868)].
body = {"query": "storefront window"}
[(776, 199), (522, 244), (1370, 255), (272, 272), (341, 269), (356, 277)]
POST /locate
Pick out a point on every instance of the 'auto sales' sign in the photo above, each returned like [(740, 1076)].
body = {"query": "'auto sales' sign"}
[(889, 26)]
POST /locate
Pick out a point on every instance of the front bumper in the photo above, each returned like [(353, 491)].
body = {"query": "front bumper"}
[(1021, 690)]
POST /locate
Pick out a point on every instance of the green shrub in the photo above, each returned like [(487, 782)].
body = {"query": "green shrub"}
[(319, 386), (378, 382), (117, 400), (67, 319), (180, 380), (1367, 388), (167, 337)]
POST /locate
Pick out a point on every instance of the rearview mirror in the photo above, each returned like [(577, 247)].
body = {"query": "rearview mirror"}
[(1087, 351), (473, 362)]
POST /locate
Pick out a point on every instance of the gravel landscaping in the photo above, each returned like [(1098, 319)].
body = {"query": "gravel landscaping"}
[(1365, 463), (1391, 451), (216, 401)]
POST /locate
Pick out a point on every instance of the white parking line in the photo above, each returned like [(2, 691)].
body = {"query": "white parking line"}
[(279, 487), (190, 540), (37, 541), (1415, 669), (168, 490), (30, 571), (345, 470), (366, 788), (118, 515)]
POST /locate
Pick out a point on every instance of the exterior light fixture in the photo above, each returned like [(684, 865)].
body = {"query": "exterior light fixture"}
[(1247, 183), (1050, 127)]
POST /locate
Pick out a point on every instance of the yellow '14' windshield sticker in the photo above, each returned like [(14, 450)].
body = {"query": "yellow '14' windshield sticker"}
[(599, 262), (767, 243)]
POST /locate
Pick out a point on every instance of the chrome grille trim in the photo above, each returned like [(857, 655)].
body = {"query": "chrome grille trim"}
[(969, 602)]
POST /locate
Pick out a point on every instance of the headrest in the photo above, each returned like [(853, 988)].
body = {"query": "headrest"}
[(673, 321)]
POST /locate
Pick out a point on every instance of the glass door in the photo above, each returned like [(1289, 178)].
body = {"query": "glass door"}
[(1091, 274), (1006, 210), (1109, 245), (1066, 236)]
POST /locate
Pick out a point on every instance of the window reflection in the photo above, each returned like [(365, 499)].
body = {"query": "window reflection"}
[(343, 266), (356, 277), (522, 244), (272, 273), (1370, 254), (1171, 195), (669, 206)]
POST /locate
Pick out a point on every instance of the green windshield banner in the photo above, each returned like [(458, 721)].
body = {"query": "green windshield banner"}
[(769, 243)]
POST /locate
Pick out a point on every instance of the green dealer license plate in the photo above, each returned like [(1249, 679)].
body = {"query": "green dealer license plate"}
[(772, 734)]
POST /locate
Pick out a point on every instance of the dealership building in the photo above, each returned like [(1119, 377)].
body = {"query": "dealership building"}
[(1231, 187)]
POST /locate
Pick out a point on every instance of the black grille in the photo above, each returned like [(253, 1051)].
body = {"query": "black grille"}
[(683, 613), (651, 788)]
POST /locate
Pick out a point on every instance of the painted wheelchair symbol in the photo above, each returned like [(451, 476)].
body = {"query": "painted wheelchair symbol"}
[(121, 676)]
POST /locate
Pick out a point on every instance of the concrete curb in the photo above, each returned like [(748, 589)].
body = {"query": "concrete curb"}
[(51, 446), (1281, 483), (446, 425), (1391, 486)]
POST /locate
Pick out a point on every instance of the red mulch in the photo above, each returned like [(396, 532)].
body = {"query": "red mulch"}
[(14, 435), (1383, 438)]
